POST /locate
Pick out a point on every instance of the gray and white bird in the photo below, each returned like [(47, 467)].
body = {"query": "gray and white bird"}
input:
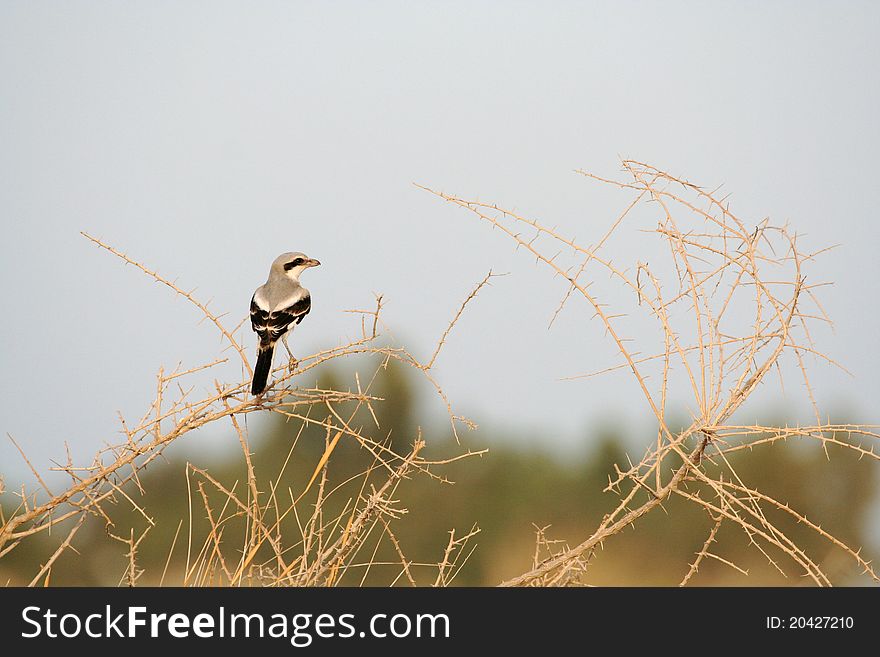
[(276, 307)]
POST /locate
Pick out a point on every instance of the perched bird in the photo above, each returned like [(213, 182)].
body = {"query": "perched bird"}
[(276, 307)]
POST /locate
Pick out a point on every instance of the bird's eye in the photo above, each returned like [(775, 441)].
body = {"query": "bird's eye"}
[(293, 263)]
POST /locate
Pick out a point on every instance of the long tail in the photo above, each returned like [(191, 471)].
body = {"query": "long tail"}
[(261, 371)]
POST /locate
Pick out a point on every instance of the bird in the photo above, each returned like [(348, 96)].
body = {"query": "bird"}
[(276, 307)]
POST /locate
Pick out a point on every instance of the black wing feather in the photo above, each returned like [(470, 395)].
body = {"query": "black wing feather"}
[(270, 326)]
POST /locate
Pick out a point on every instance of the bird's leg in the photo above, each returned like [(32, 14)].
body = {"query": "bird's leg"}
[(291, 364), (266, 398)]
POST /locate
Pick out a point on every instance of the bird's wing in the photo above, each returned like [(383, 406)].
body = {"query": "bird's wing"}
[(272, 324)]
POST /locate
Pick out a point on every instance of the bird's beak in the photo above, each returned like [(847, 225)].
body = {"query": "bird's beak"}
[(311, 262)]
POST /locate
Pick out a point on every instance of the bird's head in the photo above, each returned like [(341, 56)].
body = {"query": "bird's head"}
[(293, 264)]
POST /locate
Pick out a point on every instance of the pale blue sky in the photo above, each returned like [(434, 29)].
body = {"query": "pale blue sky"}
[(205, 138)]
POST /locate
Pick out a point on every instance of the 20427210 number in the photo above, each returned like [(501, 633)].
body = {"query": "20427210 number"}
[(820, 622)]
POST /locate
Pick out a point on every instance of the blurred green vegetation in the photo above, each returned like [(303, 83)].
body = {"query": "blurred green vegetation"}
[(507, 493)]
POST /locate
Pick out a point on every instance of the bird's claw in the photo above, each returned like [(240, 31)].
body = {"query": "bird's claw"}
[(264, 398)]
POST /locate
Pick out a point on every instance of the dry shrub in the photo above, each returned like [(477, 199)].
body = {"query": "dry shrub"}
[(729, 303), (249, 538)]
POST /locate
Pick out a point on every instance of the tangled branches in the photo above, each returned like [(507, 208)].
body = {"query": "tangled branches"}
[(249, 537), (729, 303), (723, 308)]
